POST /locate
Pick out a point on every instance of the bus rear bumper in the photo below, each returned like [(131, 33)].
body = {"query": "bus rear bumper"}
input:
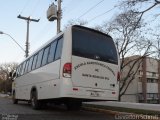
[(90, 94)]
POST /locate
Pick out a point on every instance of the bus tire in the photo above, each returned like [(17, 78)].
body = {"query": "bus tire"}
[(35, 103), (73, 105), (14, 100)]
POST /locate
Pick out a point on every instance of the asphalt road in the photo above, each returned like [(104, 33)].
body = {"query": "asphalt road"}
[(23, 111)]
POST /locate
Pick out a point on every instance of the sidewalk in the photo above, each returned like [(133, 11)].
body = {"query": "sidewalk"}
[(3, 95), (141, 106)]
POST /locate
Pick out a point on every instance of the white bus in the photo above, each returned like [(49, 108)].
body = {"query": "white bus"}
[(78, 65)]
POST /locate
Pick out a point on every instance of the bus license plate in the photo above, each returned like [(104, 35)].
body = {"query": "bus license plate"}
[(94, 94)]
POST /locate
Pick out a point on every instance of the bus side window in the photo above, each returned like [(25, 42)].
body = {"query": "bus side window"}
[(23, 68), (39, 60), (17, 71), (25, 71), (34, 62), (59, 49), (52, 52), (30, 64), (45, 56)]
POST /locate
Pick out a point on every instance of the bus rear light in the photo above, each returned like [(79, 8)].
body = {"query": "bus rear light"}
[(113, 93), (118, 76), (67, 68)]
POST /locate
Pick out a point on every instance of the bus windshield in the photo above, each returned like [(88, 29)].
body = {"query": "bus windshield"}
[(93, 45)]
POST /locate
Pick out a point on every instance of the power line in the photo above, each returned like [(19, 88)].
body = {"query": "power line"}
[(34, 8), (67, 4), (43, 31), (102, 14), (90, 9), (25, 6)]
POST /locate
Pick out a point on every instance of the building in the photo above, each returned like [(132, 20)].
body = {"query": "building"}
[(145, 86)]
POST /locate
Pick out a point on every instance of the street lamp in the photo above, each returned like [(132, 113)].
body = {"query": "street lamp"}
[(13, 40)]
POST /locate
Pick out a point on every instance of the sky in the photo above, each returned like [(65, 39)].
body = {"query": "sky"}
[(42, 31)]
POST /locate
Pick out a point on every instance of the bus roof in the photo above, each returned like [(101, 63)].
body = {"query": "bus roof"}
[(61, 33)]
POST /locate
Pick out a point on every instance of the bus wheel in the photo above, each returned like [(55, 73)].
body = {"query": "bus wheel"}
[(14, 100), (34, 102), (73, 105)]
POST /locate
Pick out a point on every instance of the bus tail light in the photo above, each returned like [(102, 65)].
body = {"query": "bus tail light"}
[(118, 76), (67, 68)]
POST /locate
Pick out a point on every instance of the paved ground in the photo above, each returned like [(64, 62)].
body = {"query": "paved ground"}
[(23, 111)]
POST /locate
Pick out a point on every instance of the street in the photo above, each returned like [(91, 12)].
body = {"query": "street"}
[(23, 111)]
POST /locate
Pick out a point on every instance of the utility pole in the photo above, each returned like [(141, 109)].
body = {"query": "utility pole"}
[(59, 15), (55, 14), (28, 19)]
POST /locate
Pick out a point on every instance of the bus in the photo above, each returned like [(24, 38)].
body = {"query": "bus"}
[(78, 65)]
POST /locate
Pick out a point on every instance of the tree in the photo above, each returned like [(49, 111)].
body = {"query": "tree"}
[(126, 30), (136, 5), (5, 79), (75, 22)]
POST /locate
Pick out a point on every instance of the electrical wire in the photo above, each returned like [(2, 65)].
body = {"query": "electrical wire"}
[(35, 7), (43, 32), (102, 14), (69, 9), (65, 7), (24, 7), (90, 9)]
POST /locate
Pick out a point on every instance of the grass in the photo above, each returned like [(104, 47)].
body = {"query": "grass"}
[(128, 110)]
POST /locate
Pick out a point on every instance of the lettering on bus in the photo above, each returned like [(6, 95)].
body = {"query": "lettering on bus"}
[(94, 76), (94, 63)]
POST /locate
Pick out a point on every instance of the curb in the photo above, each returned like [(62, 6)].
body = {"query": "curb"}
[(122, 115), (104, 111), (6, 97)]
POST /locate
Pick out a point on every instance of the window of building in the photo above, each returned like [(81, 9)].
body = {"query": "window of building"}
[(149, 73), (153, 74), (140, 96), (155, 80), (140, 72), (155, 96), (151, 95), (152, 80), (148, 80)]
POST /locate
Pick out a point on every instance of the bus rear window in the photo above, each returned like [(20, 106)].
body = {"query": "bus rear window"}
[(93, 45)]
